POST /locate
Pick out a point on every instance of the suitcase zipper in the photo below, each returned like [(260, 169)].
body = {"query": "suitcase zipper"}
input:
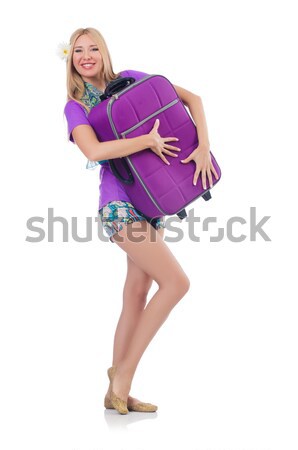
[(144, 186), (149, 117)]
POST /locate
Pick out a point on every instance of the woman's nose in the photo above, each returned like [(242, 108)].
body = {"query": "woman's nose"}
[(87, 56)]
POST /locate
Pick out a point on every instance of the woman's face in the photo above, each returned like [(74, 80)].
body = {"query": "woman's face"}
[(87, 59)]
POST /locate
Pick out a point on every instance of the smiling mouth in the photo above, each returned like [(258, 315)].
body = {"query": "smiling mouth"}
[(87, 65)]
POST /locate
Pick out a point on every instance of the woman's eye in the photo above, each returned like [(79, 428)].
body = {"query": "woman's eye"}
[(95, 49), (78, 50)]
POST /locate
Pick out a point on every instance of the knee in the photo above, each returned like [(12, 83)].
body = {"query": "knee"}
[(183, 284), (180, 284), (135, 294)]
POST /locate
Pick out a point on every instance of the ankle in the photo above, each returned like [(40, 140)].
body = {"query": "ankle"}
[(124, 370)]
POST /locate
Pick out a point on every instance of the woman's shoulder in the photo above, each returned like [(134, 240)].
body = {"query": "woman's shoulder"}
[(74, 109), (72, 105)]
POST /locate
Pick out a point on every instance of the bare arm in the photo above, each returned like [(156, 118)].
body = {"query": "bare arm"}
[(195, 106), (86, 139), (200, 155)]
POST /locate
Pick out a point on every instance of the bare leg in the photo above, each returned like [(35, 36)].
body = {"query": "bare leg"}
[(136, 288), (154, 258)]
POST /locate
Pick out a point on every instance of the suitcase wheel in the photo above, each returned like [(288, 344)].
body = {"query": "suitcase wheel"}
[(207, 196)]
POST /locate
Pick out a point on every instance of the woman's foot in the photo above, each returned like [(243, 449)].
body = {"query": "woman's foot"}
[(133, 404), (121, 383), (132, 401), (120, 387)]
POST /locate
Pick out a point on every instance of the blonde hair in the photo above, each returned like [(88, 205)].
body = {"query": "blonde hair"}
[(75, 83)]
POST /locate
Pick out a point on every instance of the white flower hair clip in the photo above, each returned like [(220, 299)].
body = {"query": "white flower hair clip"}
[(63, 50)]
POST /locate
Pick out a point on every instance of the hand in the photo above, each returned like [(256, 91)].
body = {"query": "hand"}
[(201, 156), (159, 145)]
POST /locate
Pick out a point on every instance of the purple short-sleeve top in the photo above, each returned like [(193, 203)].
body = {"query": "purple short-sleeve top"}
[(110, 188)]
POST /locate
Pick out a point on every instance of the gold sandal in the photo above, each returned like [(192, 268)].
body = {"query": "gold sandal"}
[(138, 407), (117, 402)]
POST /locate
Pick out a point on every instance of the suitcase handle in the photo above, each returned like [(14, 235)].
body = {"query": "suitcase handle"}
[(116, 86), (118, 175)]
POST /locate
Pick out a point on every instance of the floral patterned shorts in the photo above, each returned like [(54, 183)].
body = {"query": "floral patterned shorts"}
[(117, 212)]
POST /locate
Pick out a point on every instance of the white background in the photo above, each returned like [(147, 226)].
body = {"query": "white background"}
[(222, 369)]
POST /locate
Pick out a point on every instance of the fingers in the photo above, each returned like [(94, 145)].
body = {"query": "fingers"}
[(204, 179), (164, 159), (169, 139), (170, 153), (162, 156), (214, 172), (210, 178), (156, 124), (203, 176), (186, 160), (171, 147), (196, 176)]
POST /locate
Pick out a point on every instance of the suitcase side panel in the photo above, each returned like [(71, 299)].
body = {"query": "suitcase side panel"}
[(171, 186)]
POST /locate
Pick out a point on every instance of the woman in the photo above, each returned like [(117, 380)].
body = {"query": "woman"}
[(89, 70)]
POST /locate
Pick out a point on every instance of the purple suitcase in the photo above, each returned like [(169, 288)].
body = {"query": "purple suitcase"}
[(129, 108)]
